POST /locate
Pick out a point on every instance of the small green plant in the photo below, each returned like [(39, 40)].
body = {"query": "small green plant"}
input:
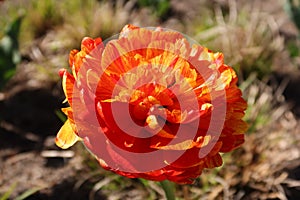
[(9, 51), (44, 15), (293, 9), (23, 196), (92, 18), (159, 7)]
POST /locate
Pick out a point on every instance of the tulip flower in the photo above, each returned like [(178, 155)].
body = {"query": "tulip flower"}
[(151, 103)]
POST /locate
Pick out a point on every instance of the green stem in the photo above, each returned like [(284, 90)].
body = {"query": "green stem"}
[(169, 189)]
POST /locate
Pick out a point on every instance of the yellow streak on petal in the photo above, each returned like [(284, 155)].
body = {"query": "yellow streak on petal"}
[(203, 141), (179, 146), (92, 79), (224, 80), (64, 85), (188, 144), (67, 85), (206, 106), (66, 137)]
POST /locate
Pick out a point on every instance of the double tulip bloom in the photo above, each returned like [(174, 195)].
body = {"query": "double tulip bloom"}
[(149, 104)]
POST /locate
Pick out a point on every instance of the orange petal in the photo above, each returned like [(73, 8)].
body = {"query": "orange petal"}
[(214, 161), (66, 137), (68, 84), (127, 28)]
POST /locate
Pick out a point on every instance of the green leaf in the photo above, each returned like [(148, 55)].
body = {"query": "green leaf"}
[(7, 194), (28, 193)]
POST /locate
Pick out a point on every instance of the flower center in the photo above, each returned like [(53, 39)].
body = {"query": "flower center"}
[(141, 109), (149, 101)]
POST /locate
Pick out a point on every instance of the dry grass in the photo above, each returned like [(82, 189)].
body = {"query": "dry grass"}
[(247, 35)]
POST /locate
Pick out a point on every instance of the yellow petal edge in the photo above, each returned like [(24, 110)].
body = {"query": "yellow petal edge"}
[(66, 136)]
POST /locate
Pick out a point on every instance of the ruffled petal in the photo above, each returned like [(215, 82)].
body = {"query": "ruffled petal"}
[(66, 137)]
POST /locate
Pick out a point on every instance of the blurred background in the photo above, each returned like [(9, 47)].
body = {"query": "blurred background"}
[(260, 40)]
